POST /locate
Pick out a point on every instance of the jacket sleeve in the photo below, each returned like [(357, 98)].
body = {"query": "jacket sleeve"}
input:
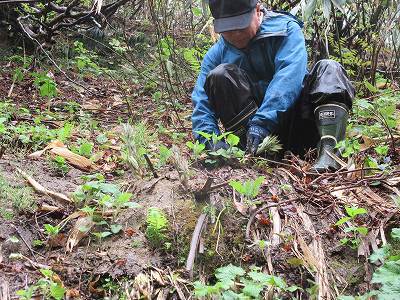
[(203, 117), (286, 84)]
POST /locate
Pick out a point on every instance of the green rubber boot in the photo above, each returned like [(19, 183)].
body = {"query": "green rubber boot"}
[(331, 121)]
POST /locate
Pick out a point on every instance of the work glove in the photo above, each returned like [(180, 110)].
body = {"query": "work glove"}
[(255, 135), (210, 146)]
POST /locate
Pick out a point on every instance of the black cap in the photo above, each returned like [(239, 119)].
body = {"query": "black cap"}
[(231, 14)]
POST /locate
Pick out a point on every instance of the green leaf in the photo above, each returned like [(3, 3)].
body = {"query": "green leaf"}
[(85, 149), (237, 186), (13, 239), (277, 282), (342, 221), (269, 145), (382, 150), (47, 273), (232, 140), (395, 233), (388, 275), (115, 228), (205, 135), (362, 230), (57, 291), (101, 139), (370, 87), (252, 289), (354, 211), (259, 277), (227, 275), (109, 188), (379, 254), (293, 288), (197, 11), (102, 234)]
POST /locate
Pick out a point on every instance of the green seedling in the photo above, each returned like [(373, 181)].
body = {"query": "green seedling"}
[(269, 145), (232, 141), (46, 285), (249, 189), (60, 165), (163, 156), (386, 276), (85, 149), (157, 225), (354, 231), (235, 283), (98, 197), (51, 230), (197, 149)]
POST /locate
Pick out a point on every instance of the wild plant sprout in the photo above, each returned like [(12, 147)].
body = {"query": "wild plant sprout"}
[(137, 139), (249, 189)]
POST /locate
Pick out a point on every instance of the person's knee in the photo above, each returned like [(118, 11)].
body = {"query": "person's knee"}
[(221, 71), (329, 65)]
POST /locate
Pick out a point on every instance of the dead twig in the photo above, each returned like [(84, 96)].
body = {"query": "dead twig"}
[(195, 242), (264, 207)]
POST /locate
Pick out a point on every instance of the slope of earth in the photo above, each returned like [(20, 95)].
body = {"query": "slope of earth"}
[(92, 208)]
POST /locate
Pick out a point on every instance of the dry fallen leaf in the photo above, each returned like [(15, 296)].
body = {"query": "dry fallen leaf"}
[(79, 231), (58, 148)]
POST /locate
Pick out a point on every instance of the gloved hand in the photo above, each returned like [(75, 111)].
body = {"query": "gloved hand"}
[(210, 146), (255, 135)]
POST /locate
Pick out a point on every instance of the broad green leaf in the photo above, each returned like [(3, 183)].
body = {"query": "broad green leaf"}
[(310, 9), (259, 276), (370, 87), (57, 291), (252, 289), (85, 149), (354, 211), (277, 282), (115, 228), (227, 275), (205, 135), (326, 8), (47, 273), (362, 230), (232, 140), (395, 233), (237, 185), (342, 221), (379, 254)]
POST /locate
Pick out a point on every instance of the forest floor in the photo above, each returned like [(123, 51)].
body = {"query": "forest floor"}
[(53, 218)]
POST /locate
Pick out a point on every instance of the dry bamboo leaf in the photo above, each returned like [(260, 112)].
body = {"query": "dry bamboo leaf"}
[(48, 208), (74, 159), (79, 231), (42, 190), (276, 226), (51, 145), (58, 148)]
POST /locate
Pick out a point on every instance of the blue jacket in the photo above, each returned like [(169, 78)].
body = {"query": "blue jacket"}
[(276, 55)]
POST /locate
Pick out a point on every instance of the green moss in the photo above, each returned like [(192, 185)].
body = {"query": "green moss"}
[(14, 199)]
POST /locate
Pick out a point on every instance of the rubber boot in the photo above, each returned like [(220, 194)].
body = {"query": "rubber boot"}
[(331, 121)]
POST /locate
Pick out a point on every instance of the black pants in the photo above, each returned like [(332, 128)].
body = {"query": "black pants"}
[(235, 98)]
